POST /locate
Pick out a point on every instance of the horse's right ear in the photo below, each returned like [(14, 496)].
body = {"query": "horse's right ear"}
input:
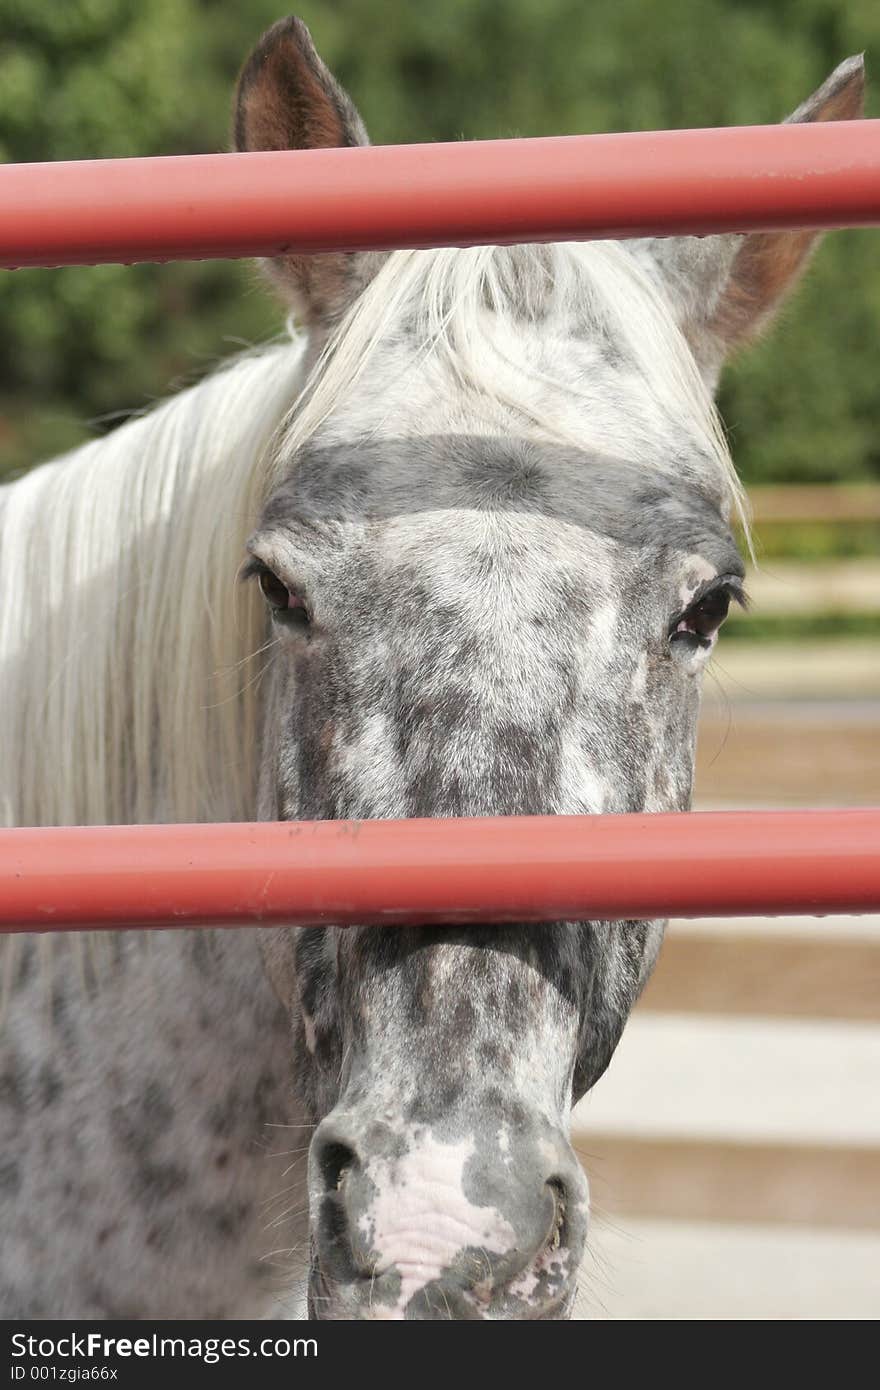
[(287, 99)]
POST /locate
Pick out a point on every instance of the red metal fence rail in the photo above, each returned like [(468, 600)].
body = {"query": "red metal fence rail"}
[(493, 191), (394, 872)]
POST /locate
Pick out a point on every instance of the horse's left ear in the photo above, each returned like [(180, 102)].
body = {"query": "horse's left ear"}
[(287, 99), (728, 288)]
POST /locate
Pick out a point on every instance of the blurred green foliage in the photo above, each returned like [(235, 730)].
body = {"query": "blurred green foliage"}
[(94, 78), (815, 540), (801, 627)]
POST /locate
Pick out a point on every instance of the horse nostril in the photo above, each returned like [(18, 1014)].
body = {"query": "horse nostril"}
[(335, 1161), (557, 1235), (335, 1169)]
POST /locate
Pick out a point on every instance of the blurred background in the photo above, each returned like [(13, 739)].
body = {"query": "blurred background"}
[(734, 1148)]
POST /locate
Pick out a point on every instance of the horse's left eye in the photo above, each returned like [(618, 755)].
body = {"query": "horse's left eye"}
[(697, 626)]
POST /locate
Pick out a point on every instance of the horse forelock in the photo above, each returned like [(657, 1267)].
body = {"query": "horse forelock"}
[(570, 342)]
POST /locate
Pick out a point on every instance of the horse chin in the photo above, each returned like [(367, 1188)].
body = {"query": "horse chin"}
[(330, 1302)]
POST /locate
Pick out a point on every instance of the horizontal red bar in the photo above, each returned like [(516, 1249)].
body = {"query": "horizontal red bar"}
[(392, 872), (495, 191)]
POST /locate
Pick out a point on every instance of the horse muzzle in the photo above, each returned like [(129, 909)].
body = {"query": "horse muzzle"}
[(413, 1222)]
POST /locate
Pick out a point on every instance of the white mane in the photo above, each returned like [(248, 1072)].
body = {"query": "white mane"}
[(128, 684), (129, 657)]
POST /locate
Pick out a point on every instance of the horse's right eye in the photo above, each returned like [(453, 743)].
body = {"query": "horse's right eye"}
[(288, 607), (274, 591)]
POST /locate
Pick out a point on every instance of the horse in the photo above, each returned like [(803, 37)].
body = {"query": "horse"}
[(458, 544)]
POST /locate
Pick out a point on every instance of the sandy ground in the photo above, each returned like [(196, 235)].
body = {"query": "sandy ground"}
[(644, 1269), (734, 1161)]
